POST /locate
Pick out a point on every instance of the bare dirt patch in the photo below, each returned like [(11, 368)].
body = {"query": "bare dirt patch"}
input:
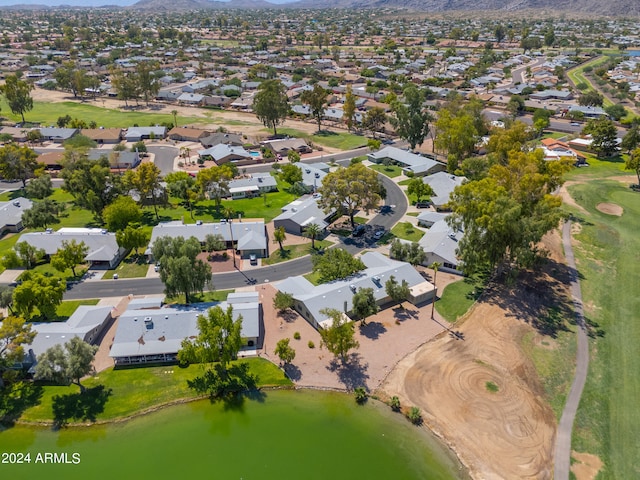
[(610, 209), (567, 198), (587, 465)]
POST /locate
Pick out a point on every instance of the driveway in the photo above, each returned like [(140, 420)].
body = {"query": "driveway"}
[(164, 157)]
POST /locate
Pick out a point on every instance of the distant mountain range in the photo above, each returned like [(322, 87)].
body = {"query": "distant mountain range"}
[(628, 8)]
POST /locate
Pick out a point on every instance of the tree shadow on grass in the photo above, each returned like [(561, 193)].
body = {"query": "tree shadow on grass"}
[(372, 330), (16, 398), (352, 373), (293, 372), (80, 406)]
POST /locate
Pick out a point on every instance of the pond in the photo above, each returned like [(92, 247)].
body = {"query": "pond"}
[(283, 435)]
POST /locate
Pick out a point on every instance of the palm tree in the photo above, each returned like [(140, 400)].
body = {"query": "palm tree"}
[(435, 266), (228, 213), (312, 231), (279, 236), (175, 117)]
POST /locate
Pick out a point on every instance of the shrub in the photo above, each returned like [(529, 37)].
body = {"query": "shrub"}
[(296, 335), (361, 395), (311, 344), (395, 404), (491, 387), (414, 416)]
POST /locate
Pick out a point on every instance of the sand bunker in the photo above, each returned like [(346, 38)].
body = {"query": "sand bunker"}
[(610, 209)]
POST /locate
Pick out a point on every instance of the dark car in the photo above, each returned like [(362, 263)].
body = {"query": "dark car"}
[(422, 205), (359, 230)]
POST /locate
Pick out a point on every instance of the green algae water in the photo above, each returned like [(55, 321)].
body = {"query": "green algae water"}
[(285, 435)]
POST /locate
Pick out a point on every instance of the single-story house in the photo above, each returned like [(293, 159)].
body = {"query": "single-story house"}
[(311, 299), (222, 153), (103, 135), (191, 98), (17, 134), (285, 145), (302, 212), (57, 135), (87, 322), (410, 162), (247, 237), (254, 185), (135, 134), (184, 134), (552, 95), (51, 160), (218, 138), (104, 251), (443, 184), (588, 111), (117, 159), (556, 150), (312, 174), (155, 335), (11, 214), (440, 244), (428, 218)]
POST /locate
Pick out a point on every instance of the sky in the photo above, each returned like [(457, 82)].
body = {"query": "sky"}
[(88, 3)]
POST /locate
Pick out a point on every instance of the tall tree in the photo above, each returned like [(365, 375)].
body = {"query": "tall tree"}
[(145, 180), (180, 269), (39, 187), (290, 173), (40, 293), (312, 231), (604, 136), (69, 255), (284, 351), (18, 163), (335, 264), (28, 254), (148, 84), (279, 236), (214, 182), (504, 141), (418, 188), (125, 84), (633, 163), (41, 214), (271, 104), (14, 333), (349, 108), (350, 189), (122, 212), (70, 76), (398, 292), (364, 304), (283, 301), (339, 337), (317, 101), (219, 338), (67, 365), (183, 186), (132, 238), (18, 95), (631, 139), (411, 118), (456, 134), (374, 120)]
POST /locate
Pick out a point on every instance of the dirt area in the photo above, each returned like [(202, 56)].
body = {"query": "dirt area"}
[(586, 466), (567, 199), (610, 209), (479, 391)]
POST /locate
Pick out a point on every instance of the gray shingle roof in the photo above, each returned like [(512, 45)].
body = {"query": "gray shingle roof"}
[(304, 211), (443, 184), (102, 244), (252, 230), (11, 212)]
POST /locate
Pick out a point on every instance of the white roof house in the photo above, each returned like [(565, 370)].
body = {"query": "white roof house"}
[(103, 247), (440, 244), (255, 184), (302, 212), (135, 134), (156, 334), (443, 184), (11, 214), (410, 162), (311, 299), (223, 153)]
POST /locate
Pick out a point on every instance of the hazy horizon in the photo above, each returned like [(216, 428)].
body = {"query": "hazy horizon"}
[(94, 3)]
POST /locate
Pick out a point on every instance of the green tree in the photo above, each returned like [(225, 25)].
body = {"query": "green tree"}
[(145, 180), (219, 338), (67, 365), (418, 188), (364, 304), (28, 254), (283, 301), (41, 214), (290, 173), (505, 215), (284, 351), (69, 255), (18, 163), (312, 231), (604, 136), (39, 187), (455, 134), (516, 105), (541, 120), (279, 236), (293, 156), (411, 118), (435, 266), (214, 243), (631, 139), (349, 108), (504, 141), (214, 182), (335, 264), (271, 104), (70, 76), (14, 334), (180, 269), (183, 186), (339, 337), (132, 238), (125, 84), (633, 163), (616, 111), (374, 120), (18, 95), (148, 84), (350, 189), (398, 292), (317, 101), (122, 212), (591, 98), (40, 293)]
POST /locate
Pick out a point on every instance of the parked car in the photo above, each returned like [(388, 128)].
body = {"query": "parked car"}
[(379, 234), (253, 259), (422, 204)]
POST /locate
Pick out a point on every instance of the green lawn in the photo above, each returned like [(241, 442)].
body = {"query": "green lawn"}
[(404, 182), (407, 231), (213, 296), (134, 390), (339, 140), (47, 113), (294, 251), (67, 307), (390, 171), (130, 267), (458, 297), (577, 75), (606, 250), (313, 277)]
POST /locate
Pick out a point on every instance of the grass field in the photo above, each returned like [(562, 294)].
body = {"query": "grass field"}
[(213, 296), (130, 267), (390, 171), (339, 140), (407, 231), (294, 251), (577, 75), (47, 113), (66, 308), (130, 391), (606, 251), (458, 297)]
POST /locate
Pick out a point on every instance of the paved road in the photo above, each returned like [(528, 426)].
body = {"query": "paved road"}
[(395, 208), (164, 158), (562, 456)]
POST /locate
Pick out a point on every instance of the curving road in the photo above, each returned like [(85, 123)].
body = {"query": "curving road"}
[(562, 456), (395, 207)]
